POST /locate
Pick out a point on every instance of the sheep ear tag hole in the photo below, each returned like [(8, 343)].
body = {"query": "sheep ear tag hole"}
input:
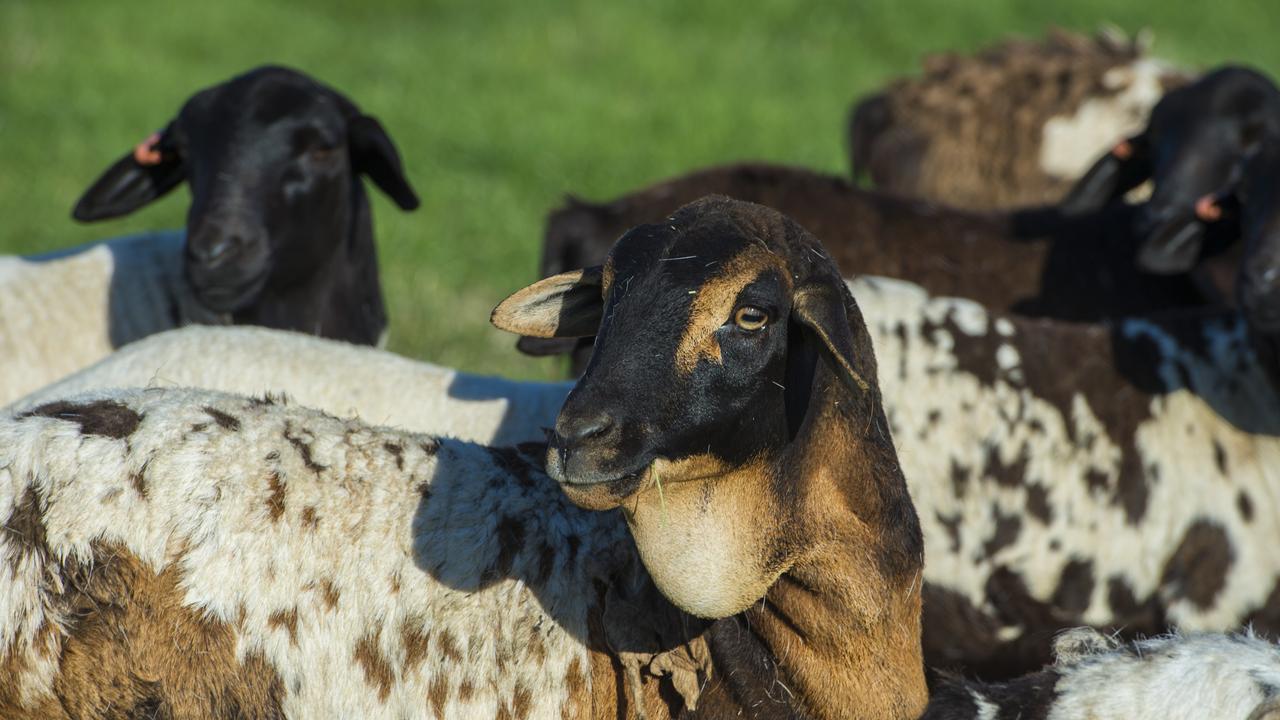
[(147, 152)]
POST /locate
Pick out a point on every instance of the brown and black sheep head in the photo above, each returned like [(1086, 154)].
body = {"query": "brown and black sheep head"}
[(721, 335)]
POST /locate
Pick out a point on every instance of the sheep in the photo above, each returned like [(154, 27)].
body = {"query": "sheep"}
[(167, 549), (991, 501), (1085, 271), (1227, 677), (339, 378), (1052, 466), (1028, 442), (279, 232), (186, 553), (1013, 125), (1194, 146)]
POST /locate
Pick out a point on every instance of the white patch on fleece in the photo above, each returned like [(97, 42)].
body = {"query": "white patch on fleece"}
[(1070, 144), (986, 709), (59, 312), (945, 420), (429, 529), (340, 378), (1171, 678)]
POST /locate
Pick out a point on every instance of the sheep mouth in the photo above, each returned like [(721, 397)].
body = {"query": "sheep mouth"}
[(226, 297), (603, 494)]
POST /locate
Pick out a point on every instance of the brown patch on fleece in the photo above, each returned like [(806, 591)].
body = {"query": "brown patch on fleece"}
[(136, 650), (107, 418), (275, 501), (309, 518), (438, 693), (24, 528), (225, 421), (415, 640), (1197, 570), (287, 621), (578, 691), (377, 670)]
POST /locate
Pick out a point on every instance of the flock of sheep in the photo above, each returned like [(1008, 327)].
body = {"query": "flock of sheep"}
[(998, 439)]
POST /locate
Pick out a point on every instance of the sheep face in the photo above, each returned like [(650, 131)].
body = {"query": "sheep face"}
[(708, 328), (1194, 143), (271, 158)]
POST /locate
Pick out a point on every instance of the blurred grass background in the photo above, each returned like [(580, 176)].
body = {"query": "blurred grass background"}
[(501, 108)]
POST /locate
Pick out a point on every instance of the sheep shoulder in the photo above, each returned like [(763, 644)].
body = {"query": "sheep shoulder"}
[(173, 548)]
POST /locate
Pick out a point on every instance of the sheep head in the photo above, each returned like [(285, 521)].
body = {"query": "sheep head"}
[(722, 335)]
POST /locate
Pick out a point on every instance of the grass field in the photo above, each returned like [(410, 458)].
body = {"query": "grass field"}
[(501, 108)]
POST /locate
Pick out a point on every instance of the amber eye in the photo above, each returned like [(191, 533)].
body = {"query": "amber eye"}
[(750, 318)]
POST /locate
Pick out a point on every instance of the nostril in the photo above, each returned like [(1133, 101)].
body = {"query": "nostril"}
[(584, 429), (216, 251)]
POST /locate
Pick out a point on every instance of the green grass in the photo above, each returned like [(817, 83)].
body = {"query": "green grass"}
[(499, 109)]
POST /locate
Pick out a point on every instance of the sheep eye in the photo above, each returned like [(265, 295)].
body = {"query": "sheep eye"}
[(322, 153), (750, 318)]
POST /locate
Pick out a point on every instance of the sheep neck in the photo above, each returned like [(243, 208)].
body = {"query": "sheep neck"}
[(843, 622), (818, 553)]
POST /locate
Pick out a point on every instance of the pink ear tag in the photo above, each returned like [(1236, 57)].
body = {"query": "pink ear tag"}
[(1208, 209), (1123, 150), (147, 152)]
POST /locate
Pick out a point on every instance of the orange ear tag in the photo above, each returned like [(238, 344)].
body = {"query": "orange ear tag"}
[(147, 152), (1208, 209)]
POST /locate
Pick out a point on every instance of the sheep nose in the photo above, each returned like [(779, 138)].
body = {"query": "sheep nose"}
[(573, 432), (216, 252)]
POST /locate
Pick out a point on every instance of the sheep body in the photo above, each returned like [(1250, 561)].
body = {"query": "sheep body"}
[(63, 311), (1013, 124), (339, 378), (1229, 677), (1054, 466), (391, 574), (188, 493)]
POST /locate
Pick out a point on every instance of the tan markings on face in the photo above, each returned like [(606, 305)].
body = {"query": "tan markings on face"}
[(693, 467), (713, 305)]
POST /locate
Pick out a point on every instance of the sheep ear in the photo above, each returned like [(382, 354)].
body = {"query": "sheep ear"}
[(567, 305), (1176, 246), (820, 309), (546, 347), (374, 155), (144, 175), (1124, 168), (1173, 249)]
